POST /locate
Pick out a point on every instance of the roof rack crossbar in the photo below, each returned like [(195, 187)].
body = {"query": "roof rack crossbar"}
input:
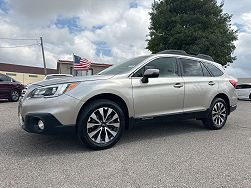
[(182, 52), (206, 57), (178, 52)]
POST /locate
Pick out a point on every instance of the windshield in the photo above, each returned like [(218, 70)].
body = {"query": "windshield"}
[(123, 67)]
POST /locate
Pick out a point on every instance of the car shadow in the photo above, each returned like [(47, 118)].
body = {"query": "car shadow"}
[(162, 129), (4, 101), (19, 143)]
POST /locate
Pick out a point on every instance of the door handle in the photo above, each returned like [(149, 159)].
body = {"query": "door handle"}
[(211, 83), (178, 85)]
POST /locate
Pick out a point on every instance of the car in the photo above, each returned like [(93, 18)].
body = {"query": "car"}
[(243, 91), (169, 84), (9, 88), (53, 76)]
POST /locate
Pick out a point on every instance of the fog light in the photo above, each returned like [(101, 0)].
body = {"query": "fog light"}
[(40, 124)]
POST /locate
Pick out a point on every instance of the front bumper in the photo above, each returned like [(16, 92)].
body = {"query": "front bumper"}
[(64, 108), (51, 124)]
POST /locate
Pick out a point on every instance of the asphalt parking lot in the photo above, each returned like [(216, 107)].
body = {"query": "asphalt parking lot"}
[(178, 154)]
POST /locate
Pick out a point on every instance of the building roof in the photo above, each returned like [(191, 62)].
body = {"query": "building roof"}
[(92, 64), (25, 69)]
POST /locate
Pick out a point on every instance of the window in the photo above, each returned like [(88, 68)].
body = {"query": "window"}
[(191, 67), (11, 74), (205, 71), (167, 67), (213, 69), (243, 86), (33, 76), (83, 72), (4, 78), (239, 87)]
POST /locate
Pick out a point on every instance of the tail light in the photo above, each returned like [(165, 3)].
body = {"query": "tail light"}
[(233, 82)]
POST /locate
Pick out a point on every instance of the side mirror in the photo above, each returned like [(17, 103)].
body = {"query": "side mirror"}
[(150, 73)]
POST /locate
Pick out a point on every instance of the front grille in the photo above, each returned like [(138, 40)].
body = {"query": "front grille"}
[(23, 92)]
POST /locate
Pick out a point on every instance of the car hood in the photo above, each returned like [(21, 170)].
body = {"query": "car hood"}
[(73, 79)]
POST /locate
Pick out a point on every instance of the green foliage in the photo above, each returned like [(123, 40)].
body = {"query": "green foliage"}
[(196, 26)]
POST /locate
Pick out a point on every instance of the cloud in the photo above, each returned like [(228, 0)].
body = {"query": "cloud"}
[(107, 31), (103, 31)]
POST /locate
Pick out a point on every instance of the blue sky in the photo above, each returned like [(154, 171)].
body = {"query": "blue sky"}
[(4, 6), (108, 31)]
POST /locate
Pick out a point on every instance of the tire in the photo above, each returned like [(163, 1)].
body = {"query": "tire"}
[(250, 96), (217, 115), (14, 95), (101, 124)]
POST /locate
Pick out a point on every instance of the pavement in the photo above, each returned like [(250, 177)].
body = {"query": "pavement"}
[(174, 154)]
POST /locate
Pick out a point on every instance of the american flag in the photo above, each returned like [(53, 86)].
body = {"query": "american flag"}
[(81, 63)]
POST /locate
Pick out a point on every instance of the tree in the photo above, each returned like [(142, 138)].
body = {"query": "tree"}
[(196, 26)]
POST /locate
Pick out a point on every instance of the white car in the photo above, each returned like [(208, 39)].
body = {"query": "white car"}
[(243, 91), (52, 76)]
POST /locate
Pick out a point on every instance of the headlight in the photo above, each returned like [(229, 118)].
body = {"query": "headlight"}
[(52, 90)]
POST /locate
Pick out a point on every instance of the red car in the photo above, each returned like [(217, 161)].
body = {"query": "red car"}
[(9, 88)]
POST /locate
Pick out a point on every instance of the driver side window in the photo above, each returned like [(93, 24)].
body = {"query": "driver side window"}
[(167, 67)]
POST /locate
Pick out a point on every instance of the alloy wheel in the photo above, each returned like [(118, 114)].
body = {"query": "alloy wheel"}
[(14, 95), (219, 114), (103, 125)]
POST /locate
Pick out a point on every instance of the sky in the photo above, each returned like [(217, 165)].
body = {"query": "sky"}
[(107, 31)]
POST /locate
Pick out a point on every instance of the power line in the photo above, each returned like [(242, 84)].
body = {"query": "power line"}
[(3, 38), (20, 46)]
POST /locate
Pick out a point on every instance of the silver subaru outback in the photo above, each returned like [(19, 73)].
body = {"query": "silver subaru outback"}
[(169, 84)]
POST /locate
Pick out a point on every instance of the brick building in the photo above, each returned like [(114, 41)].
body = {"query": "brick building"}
[(29, 74), (66, 67)]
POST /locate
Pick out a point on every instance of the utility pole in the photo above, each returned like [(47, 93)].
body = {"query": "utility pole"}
[(42, 47)]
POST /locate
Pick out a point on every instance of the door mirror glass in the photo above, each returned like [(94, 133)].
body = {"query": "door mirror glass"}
[(150, 73)]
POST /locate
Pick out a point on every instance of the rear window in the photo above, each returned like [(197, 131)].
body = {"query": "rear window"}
[(191, 68), (213, 69), (4, 78), (205, 71)]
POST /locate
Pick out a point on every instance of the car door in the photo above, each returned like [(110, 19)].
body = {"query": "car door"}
[(200, 85), (240, 90), (4, 86), (160, 96), (245, 91)]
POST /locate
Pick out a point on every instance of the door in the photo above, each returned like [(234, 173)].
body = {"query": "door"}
[(160, 96), (240, 91), (5, 86), (200, 86), (243, 91)]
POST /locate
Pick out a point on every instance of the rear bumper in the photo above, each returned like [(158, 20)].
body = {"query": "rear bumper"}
[(233, 108), (30, 123)]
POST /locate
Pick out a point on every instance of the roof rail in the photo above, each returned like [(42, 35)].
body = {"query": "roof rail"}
[(182, 52), (206, 57), (178, 52)]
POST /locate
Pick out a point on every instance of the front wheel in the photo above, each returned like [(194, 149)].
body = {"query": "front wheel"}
[(217, 115), (101, 124)]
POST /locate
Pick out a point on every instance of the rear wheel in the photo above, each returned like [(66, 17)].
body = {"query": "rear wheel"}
[(101, 124), (217, 115), (14, 95)]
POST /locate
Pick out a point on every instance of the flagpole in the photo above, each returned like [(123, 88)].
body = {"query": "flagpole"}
[(73, 64)]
